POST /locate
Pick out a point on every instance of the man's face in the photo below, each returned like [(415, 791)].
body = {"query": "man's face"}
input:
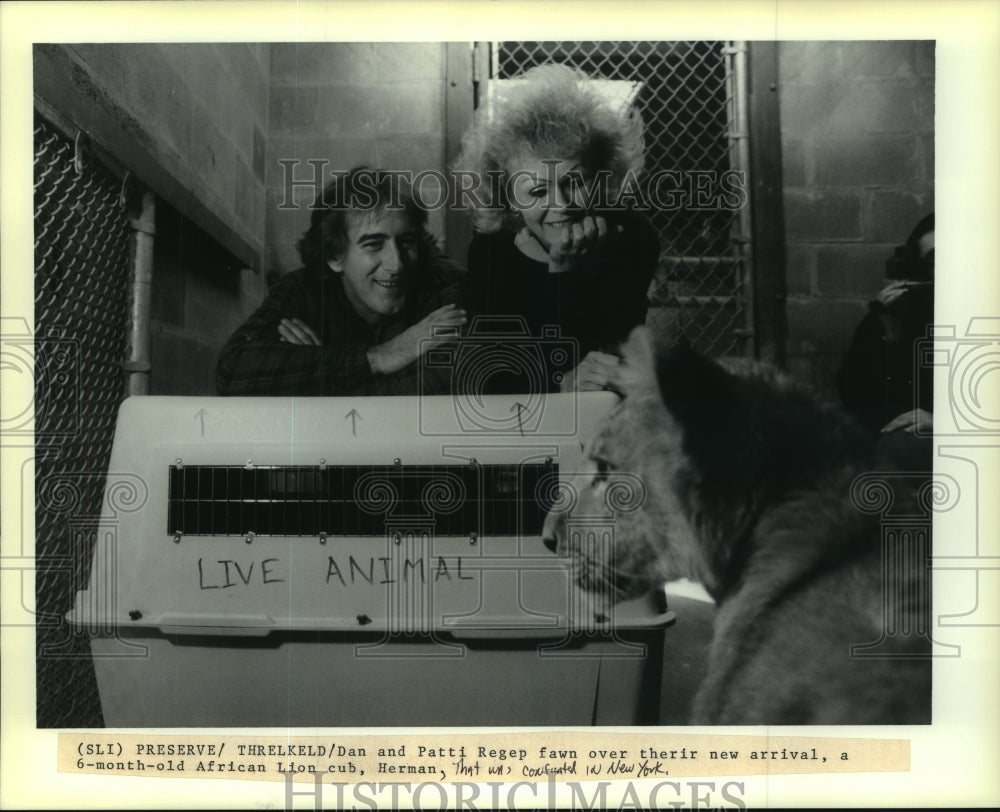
[(379, 262)]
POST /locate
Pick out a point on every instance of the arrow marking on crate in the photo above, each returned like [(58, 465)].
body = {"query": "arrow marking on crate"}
[(355, 417), (201, 414), (520, 407)]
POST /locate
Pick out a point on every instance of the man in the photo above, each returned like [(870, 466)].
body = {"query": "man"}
[(360, 313)]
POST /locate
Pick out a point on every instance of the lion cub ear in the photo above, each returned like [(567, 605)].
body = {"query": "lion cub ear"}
[(638, 372)]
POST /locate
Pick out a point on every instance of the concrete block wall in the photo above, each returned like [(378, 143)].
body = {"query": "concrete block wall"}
[(204, 109), (857, 128), (199, 299), (346, 104)]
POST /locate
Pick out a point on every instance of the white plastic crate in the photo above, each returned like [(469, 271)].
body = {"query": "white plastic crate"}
[(354, 561)]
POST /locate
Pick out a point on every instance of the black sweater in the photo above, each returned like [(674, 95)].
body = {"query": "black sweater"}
[(593, 307)]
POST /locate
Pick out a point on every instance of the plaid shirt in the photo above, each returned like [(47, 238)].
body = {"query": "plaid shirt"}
[(256, 362)]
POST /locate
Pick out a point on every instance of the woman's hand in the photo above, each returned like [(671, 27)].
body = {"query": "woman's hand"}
[(577, 240), (597, 370), (572, 243)]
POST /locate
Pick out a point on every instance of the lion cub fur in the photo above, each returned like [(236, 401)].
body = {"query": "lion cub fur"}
[(747, 489)]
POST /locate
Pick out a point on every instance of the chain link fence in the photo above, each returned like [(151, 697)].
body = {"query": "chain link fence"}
[(82, 270), (689, 97)]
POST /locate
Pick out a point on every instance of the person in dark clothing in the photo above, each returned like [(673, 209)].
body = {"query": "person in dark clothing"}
[(552, 249), (374, 295), (881, 379)]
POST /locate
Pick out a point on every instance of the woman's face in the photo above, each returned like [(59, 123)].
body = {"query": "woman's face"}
[(548, 194)]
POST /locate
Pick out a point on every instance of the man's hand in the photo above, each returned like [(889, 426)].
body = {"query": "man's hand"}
[(408, 346), (296, 331), (598, 370)]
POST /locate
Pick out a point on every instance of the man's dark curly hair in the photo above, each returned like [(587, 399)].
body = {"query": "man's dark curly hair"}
[(371, 191)]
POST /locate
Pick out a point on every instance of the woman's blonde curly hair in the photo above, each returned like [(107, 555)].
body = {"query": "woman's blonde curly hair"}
[(555, 112)]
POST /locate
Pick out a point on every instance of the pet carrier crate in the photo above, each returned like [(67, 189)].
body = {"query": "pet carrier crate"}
[(309, 562)]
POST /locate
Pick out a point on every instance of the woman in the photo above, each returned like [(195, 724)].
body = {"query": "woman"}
[(553, 246)]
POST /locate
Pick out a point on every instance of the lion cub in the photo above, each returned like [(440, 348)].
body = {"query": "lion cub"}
[(747, 482)]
